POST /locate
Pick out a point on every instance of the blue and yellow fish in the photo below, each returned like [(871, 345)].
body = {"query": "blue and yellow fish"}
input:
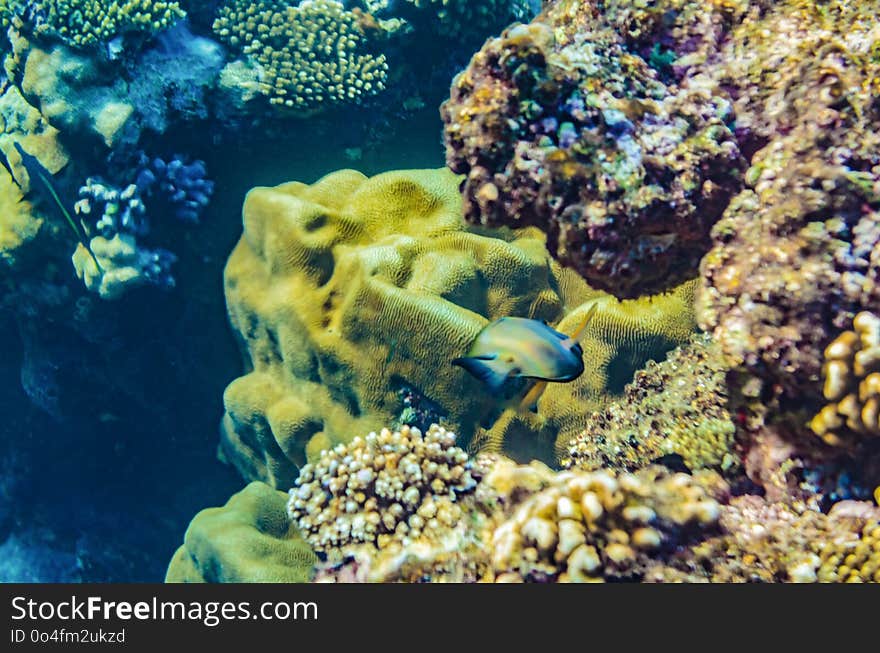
[(518, 347)]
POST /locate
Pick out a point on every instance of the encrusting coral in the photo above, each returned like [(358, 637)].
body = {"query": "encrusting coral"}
[(22, 124), (677, 406), (249, 540), (352, 293), (649, 138), (309, 55)]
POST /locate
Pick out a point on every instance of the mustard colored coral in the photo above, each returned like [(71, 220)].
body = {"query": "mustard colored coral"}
[(620, 339), (311, 55), (351, 291), (352, 296), (249, 540)]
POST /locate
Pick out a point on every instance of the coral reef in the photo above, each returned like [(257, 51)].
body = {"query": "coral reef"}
[(557, 124), (352, 293), (526, 523), (249, 540), (386, 486), (648, 137), (86, 23), (678, 406), (72, 92), (309, 55)]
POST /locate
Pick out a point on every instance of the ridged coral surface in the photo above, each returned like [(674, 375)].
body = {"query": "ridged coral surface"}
[(351, 294)]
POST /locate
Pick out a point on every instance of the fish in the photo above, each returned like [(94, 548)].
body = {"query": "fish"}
[(41, 180), (524, 348)]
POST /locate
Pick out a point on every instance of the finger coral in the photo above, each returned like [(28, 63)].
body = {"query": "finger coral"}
[(249, 540), (678, 406), (310, 55), (386, 486), (597, 525), (852, 384), (526, 523)]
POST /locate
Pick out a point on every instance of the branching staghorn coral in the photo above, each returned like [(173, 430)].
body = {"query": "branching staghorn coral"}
[(310, 55), (85, 23)]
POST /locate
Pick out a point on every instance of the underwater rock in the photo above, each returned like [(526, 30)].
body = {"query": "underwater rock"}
[(557, 124), (249, 540), (793, 259), (72, 92), (353, 292)]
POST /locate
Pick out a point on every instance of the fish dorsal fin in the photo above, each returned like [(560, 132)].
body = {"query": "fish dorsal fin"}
[(575, 337)]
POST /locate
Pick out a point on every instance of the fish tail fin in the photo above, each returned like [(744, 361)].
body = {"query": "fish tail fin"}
[(530, 400), (582, 327)]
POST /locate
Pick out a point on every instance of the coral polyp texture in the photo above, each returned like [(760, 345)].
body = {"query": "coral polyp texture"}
[(309, 55), (557, 124), (852, 384), (85, 23), (386, 486), (352, 296), (675, 407), (597, 525)]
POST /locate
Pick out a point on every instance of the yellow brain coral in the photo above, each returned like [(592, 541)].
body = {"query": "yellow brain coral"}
[(249, 540), (351, 296)]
